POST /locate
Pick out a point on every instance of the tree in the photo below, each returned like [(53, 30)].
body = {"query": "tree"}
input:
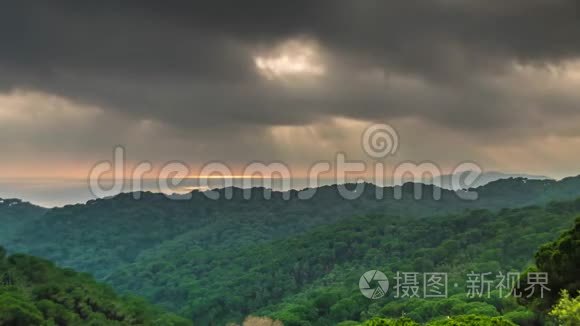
[(560, 260), (16, 310), (567, 310)]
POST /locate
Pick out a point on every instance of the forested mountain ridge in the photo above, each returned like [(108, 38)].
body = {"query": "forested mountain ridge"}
[(103, 234), (558, 305), (35, 292), (279, 256), (312, 278), (14, 210), (446, 181), (16, 214)]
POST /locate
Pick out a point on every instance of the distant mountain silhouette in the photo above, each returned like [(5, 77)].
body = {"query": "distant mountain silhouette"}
[(16, 214), (445, 181)]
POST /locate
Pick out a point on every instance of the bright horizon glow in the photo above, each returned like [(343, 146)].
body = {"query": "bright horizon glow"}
[(215, 176)]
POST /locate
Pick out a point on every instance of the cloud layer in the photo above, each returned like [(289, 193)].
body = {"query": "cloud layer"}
[(259, 80)]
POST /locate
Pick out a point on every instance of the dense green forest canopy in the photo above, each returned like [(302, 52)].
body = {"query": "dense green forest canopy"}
[(35, 292), (16, 215), (103, 235), (560, 259), (299, 261)]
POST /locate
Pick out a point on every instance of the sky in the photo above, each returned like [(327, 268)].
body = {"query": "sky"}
[(295, 81)]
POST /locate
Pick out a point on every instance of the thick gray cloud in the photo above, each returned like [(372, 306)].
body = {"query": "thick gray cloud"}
[(178, 60), (486, 71)]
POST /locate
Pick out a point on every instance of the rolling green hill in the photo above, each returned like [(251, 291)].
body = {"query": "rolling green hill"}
[(299, 261), (103, 235), (16, 215), (35, 292), (313, 278)]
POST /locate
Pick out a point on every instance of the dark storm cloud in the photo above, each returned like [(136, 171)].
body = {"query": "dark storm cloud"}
[(190, 64)]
